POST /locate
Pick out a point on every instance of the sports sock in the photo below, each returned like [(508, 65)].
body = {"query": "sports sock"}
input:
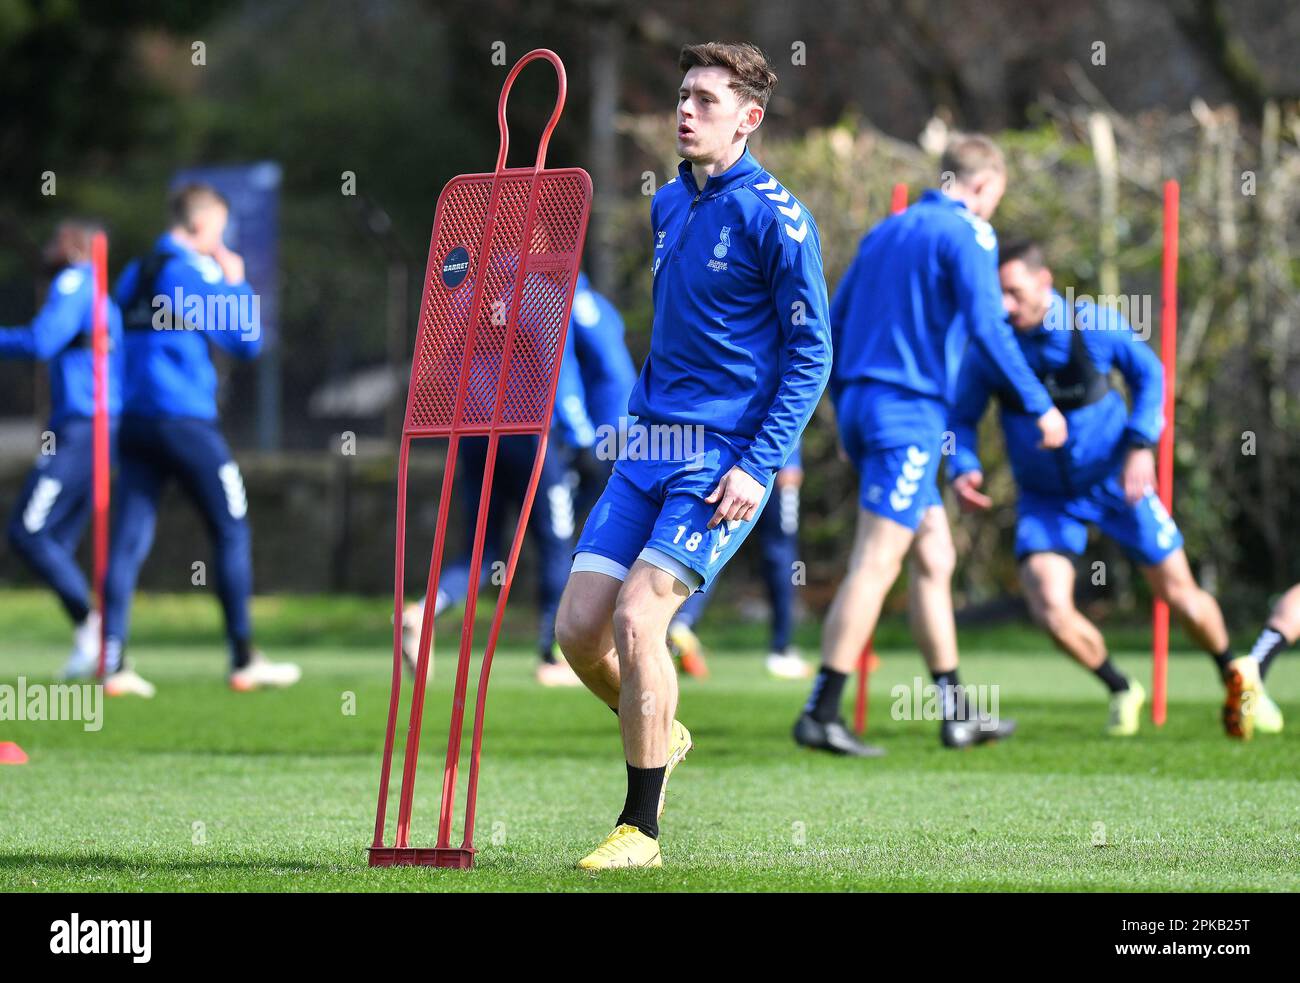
[(1114, 680), (114, 656), (1266, 647), (1222, 659), (241, 653), (641, 808), (824, 700), (949, 690)]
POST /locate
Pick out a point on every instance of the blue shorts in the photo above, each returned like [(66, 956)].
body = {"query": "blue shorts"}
[(895, 440), (1059, 524), (659, 505)]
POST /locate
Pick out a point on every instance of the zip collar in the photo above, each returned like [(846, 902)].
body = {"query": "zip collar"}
[(737, 174)]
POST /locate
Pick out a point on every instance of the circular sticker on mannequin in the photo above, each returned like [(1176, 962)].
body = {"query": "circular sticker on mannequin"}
[(455, 267)]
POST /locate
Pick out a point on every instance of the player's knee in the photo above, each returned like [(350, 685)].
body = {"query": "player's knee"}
[(935, 560), (1185, 598), (577, 630), (1052, 614), (630, 627)]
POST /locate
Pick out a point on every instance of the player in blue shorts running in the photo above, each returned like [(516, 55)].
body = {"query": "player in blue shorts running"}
[(739, 355), (1104, 475), (923, 286)]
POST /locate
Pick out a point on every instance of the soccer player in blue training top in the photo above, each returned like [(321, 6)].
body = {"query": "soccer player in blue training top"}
[(777, 528), (1247, 702), (51, 511), (594, 369), (185, 295), (1104, 475), (739, 356), (923, 284)]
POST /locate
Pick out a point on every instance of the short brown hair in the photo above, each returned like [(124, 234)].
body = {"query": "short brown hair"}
[(967, 154), (752, 77), (191, 198)]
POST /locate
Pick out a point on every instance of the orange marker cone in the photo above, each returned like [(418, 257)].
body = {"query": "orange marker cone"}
[(12, 754)]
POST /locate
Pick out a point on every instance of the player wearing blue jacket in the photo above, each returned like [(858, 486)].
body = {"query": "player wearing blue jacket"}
[(594, 351), (921, 289), (50, 513), (1103, 475), (187, 294), (739, 355)]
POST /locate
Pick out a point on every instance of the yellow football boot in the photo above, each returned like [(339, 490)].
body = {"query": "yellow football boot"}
[(627, 846), (1241, 703), (1126, 710)]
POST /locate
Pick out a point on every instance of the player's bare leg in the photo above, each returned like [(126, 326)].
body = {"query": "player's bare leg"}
[(648, 694), (931, 562), (584, 628), (879, 546), (607, 630), (1048, 583), (1171, 580), (929, 590)]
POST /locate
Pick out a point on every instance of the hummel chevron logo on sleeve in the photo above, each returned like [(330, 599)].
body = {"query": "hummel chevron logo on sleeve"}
[(792, 212)]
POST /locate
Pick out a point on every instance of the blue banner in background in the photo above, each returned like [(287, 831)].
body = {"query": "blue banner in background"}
[(253, 191)]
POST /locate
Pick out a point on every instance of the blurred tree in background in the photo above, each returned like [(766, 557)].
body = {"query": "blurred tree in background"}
[(1096, 106)]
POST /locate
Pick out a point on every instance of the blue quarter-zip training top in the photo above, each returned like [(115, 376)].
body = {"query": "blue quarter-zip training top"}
[(741, 340)]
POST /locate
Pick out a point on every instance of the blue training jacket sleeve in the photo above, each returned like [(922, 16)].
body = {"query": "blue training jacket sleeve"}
[(574, 425), (1142, 371), (839, 312), (980, 299), (57, 322), (239, 325), (794, 270), (973, 392)]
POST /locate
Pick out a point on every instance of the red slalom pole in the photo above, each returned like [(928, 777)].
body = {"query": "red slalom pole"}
[(1165, 453), (897, 203), (100, 443), (898, 199)]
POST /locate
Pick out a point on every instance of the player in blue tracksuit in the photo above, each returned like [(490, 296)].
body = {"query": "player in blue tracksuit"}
[(922, 289), (50, 513), (189, 293), (593, 350), (777, 529), (739, 356), (1103, 475)]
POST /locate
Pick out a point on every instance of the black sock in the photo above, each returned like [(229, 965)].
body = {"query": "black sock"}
[(547, 654), (241, 653), (1222, 659), (1115, 680), (824, 700), (641, 808), (1266, 647), (951, 698)]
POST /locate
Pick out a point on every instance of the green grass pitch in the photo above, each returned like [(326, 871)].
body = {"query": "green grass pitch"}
[(202, 789)]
